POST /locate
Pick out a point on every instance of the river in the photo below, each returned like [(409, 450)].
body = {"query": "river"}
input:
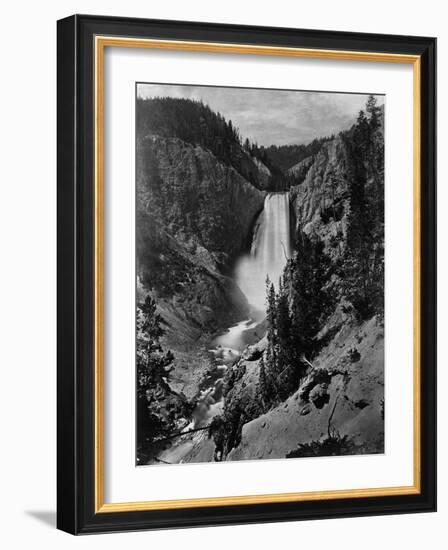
[(271, 247), (226, 349)]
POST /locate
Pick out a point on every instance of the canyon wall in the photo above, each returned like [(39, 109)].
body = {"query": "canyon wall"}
[(194, 218)]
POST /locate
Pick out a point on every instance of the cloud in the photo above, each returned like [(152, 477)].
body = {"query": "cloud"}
[(272, 117)]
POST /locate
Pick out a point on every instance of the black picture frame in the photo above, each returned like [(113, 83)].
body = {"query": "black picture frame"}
[(76, 512)]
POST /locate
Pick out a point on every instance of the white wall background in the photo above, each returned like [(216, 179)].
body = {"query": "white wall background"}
[(27, 272)]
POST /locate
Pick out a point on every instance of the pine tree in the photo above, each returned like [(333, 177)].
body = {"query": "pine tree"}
[(307, 274), (356, 228), (283, 319), (152, 321), (158, 406), (373, 111), (270, 368), (364, 259), (286, 359), (153, 364), (362, 132), (294, 316), (263, 386), (271, 312)]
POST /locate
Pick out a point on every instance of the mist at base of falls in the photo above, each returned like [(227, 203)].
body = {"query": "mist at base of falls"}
[(270, 250)]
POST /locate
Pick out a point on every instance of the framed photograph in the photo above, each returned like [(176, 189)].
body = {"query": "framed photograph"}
[(246, 274)]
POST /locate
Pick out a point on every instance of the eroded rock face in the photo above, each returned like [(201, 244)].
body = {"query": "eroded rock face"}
[(195, 217), (338, 398), (321, 201), (203, 196)]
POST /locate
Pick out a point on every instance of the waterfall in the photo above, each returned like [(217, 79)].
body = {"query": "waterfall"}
[(271, 246)]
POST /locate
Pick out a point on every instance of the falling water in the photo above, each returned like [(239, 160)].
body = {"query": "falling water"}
[(271, 247)]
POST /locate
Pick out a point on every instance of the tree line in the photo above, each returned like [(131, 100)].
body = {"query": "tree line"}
[(286, 156), (195, 123)]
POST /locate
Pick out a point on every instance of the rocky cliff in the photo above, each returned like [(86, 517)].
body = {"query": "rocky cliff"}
[(201, 198), (321, 201), (194, 218)]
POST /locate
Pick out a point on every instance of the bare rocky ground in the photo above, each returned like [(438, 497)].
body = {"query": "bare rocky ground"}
[(341, 396)]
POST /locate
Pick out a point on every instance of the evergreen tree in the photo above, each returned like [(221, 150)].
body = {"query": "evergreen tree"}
[(364, 260), (152, 322), (306, 276), (263, 386), (270, 368), (288, 374), (356, 228), (294, 316), (271, 312), (283, 317), (158, 406), (373, 111), (362, 130)]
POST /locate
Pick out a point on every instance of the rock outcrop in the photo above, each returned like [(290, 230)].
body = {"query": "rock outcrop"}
[(321, 201), (204, 197)]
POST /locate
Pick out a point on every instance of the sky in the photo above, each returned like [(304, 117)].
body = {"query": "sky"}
[(272, 117)]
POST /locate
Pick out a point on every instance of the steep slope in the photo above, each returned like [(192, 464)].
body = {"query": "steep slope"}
[(341, 397), (288, 156), (194, 218), (321, 201), (300, 170), (197, 196), (195, 123)]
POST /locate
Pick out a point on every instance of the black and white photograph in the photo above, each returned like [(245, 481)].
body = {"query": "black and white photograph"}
[(221, 314), (260, 274)]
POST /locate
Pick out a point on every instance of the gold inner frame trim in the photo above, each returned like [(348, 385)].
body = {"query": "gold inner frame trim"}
[(101, 42)]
